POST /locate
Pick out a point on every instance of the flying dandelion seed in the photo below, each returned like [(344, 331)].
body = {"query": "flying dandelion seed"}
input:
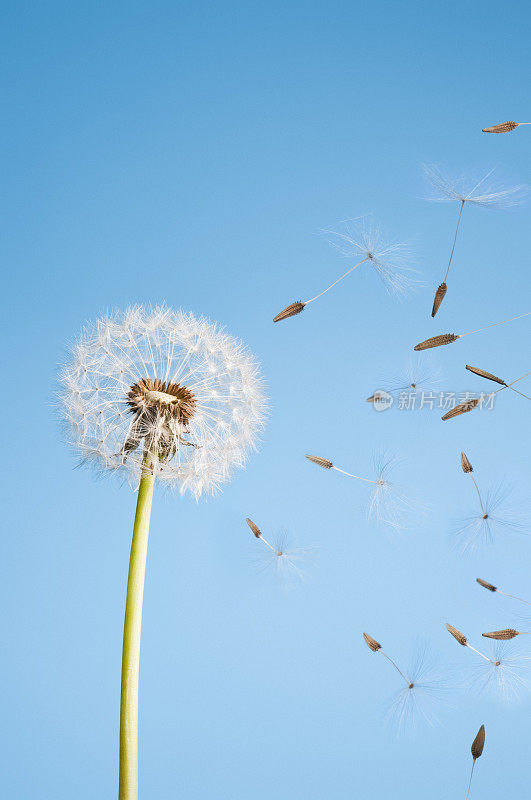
[(416, 377), (504, 127), (489, 376), (282, 557), (153, 393), (482, 193), (448, 338), (500, 512), (362, 242), (423, 691), (387, 504), (476, 750), (491, 588), (424, 694), (504, 675), (501, 673)]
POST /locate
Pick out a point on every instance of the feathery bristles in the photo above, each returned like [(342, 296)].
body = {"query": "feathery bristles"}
[(478, 743), (465, 463), (503, 127), (460, 637), (462, 408), (321, 462), (255, 529), (501, 510), (504, 674), (439, 297), (372, 643), (485, 192), (437, 341), (290, 311), (483, 374), (507, 633), (486, 585)]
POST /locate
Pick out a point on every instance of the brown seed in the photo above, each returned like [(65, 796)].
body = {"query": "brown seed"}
[(507, 633), (486, 585), (465, 463), (255, 529), (462, 408), (461, 638), (503, 127), (439, 297), (437, 341), (478, 743), (321, 462), (290, 311), (483, 374), (372, 643)]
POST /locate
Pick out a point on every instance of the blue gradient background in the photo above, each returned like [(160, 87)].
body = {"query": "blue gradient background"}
[(190, 153)]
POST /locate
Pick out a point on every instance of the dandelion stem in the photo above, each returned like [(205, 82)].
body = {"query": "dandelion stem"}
[(480, 654), (513, 597), (509, 385), (493, 325), (455, 239), (274, 549), (128, 784), (334, 283), (395, 666), (350, 475), (470, 781), (479, 495)]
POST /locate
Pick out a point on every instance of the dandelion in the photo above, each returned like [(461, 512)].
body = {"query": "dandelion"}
[(157, 394), (423, 690), (500, 673), (504, 127), (363, 243), (491, 588), (482, 193), (504, 674), (499, 512), (448, 338), (387, 503), (416, 377), (490, 377), (476, 750), (282, 556)]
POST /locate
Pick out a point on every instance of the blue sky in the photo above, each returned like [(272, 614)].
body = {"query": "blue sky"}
[(191, 153)]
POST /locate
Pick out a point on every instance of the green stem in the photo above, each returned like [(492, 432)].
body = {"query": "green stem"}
[(128, 789)]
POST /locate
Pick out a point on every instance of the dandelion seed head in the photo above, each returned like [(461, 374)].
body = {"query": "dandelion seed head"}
[(388, 505), (417, 375), (361, 239), (501, 513), (424, 693), (283, 557), (164, 384), (505, 676), (484, 192)]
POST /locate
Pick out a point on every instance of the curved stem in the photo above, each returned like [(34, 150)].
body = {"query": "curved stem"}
[(394, 665), (455, 239), (514, 597), (494, 324), (128, 785), (479, 495), (350, 475), (470, 781), (334, 283)]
